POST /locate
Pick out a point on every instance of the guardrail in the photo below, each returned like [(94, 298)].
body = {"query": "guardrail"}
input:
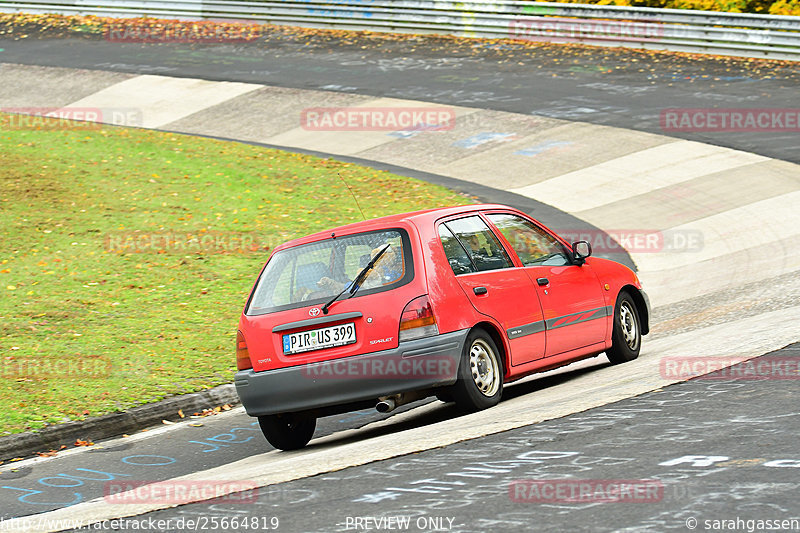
[(740, 34)]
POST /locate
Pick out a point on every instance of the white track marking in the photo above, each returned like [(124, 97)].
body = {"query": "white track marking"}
[(634, 174), (161, 99), (731, 232), (739, 269)]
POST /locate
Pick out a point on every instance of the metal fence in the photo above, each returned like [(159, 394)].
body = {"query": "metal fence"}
[(737, 34)]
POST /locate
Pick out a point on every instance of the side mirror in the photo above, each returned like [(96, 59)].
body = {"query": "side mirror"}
[(580, 251)]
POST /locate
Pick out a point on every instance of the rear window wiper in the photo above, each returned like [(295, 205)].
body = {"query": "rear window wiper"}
[(353, 287)]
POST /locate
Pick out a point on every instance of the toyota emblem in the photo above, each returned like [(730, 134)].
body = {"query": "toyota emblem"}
[(314, 311)]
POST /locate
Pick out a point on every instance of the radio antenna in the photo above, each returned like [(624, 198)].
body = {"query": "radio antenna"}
[(352, 194)]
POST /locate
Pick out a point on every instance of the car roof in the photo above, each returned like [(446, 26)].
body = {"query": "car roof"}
[(417, 218)]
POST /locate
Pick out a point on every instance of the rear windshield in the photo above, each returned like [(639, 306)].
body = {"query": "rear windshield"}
[(314, 273)]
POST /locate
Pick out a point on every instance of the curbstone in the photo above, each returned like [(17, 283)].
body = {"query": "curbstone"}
[(113, 424)]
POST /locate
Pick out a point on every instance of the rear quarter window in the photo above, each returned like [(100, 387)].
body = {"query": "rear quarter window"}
[(471, 246), (456, 254)]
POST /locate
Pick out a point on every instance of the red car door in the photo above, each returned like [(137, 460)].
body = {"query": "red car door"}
[(494, 286), (571, 296)]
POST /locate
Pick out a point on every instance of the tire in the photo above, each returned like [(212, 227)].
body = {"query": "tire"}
[(480, 373), (287, 431), (444, 395), (626, 338)]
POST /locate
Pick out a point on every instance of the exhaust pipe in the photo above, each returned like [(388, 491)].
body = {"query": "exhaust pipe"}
[(387, 404)]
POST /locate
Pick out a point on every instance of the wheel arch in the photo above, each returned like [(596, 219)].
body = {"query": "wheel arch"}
[(492, 330), (641, 306)]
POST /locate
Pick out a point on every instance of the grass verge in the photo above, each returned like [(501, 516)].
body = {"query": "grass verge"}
[(126, 256)]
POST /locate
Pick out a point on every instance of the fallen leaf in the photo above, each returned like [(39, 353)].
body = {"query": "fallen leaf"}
[(51, 453)]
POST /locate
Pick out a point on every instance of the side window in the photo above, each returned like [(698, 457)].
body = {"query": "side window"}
[(534, 246), (456, 255), (485, 251)]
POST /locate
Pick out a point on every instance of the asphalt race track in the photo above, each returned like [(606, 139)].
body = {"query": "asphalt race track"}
[(625, 88), (706, 463), (720, 447)]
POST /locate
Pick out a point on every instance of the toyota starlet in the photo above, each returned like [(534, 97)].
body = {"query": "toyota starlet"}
[(452, 303)]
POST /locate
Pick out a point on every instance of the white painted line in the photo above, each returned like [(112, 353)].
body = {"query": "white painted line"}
[(742, 339), (738, 270), (730, 233), (160, 99), (635, 174)]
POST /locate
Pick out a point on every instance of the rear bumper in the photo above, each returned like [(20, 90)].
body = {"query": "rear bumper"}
[(413, 365)]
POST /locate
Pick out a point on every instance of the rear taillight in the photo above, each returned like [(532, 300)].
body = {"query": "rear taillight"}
[(242, 355), (417, 320)]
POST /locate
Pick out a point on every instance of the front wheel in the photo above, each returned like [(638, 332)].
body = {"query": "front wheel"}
[(626, 337), (480, 373), (288, 431)]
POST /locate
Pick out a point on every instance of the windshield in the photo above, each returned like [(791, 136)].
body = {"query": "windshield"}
[(315, 273)]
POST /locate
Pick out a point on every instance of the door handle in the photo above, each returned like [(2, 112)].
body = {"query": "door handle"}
[(542, 281), (480, 290)]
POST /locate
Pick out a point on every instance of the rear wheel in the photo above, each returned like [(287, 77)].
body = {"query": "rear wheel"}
[(288, 431), (626, 338), (480, 373), (444, 395)]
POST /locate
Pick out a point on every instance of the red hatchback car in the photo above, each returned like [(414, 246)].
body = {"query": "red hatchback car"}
[(451, 302)]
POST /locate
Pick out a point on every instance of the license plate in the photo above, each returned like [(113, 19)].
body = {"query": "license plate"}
[(317, 339)]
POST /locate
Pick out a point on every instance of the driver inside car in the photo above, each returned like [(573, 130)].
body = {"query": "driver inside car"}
[(527, 247), (388, 269)]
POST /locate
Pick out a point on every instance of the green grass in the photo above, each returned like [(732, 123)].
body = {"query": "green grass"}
[(163, 321)]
